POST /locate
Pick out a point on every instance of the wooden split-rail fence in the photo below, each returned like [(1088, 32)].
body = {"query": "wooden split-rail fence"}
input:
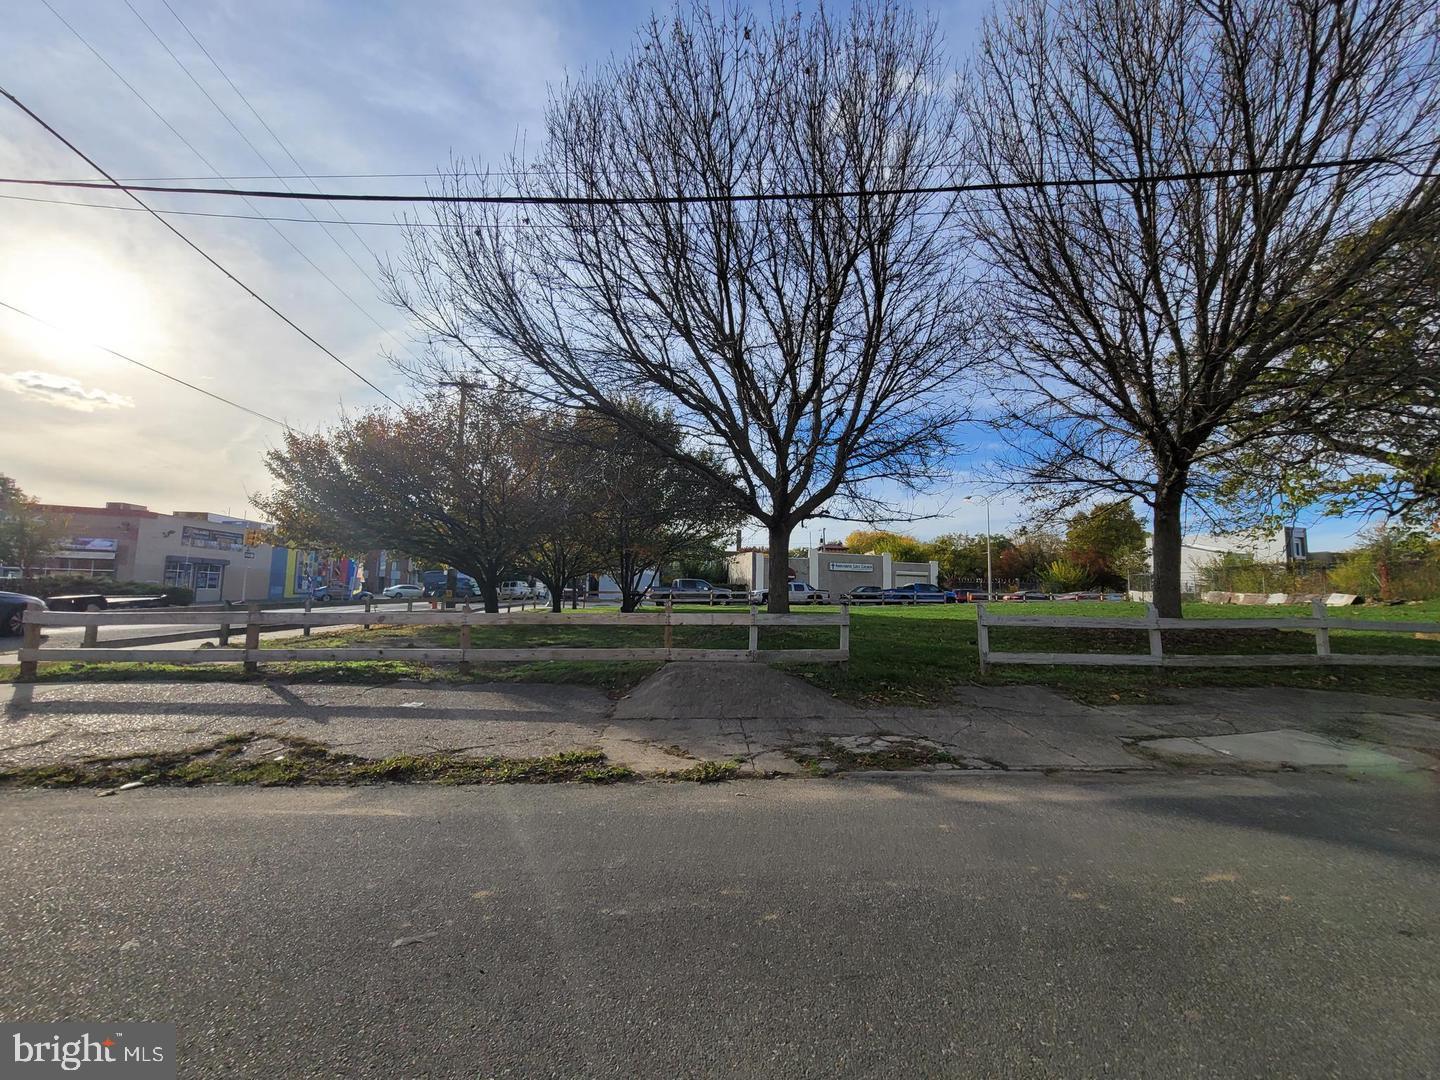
[(253, 622), (1320, 622)]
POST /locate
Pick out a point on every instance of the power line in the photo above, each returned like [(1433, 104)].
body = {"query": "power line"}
[(268, 129), (204, 160), (216, 214), (191, 244), (147, 367), (735, 197), (266, 162)]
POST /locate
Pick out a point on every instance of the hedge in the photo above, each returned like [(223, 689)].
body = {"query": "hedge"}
[(65, 584)]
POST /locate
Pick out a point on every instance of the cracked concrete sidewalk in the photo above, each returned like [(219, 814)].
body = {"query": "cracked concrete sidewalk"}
[(684, 713)]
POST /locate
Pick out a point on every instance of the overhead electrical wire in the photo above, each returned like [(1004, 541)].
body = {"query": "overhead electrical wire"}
[(147, 367), (204, 160), (266, 162), (268, 129), (191, 244), (734, 197)]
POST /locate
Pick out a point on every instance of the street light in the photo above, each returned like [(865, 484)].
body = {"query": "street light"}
[(989, 576)]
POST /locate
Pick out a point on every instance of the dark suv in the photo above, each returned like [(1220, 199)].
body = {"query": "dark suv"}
[(919, 592)]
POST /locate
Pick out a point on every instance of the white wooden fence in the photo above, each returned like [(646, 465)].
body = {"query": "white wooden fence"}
[(254, 622), (1319, 622)]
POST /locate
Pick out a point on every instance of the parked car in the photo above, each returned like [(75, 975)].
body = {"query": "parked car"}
[(1026, 596), (516, 592), (918, 592), (404, 592), (1080, 596), (864, 594), (690, 591), (970, 596), (434, 584), (13, 606), (801, 592)]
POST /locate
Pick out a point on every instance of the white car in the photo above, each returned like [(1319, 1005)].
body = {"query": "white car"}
[(404, 592), (516, 592), (801, 592)]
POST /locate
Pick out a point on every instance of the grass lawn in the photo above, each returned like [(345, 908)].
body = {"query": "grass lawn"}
[(899, 656)]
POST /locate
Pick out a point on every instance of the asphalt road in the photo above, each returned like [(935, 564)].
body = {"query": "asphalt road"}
[(975, 926), (70, 637)]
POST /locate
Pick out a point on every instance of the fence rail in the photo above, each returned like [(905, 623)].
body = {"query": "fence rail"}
[(1319, 622), (254, 621)]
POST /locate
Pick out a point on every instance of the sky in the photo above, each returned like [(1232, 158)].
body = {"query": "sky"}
[(349, 86)]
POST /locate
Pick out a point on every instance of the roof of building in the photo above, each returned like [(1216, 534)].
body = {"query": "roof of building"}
[(111, 509)]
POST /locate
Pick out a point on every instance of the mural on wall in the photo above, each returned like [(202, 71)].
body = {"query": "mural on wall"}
[(295, 572)]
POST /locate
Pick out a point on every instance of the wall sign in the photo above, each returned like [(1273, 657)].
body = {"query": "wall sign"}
[(853, 567)]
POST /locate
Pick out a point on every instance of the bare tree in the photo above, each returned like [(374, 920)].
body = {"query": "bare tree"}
[(1140, 325), (811, 349)]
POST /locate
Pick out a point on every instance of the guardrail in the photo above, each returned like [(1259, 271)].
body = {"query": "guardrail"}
[(1320, 622), (254, 622)]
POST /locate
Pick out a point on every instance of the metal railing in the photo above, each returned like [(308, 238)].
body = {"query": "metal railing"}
[(254, 621), (1319, 622)]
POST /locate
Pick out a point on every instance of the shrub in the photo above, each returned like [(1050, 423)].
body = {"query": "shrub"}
[(63, 584), (1063, 576)]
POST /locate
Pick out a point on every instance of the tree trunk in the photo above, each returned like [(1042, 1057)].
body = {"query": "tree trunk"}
[(490, 594), (779, 583), (1165, 550)]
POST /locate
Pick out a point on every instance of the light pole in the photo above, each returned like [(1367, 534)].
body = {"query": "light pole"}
[(989, 575)]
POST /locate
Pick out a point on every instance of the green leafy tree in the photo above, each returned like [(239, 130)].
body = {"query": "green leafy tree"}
[(899, 546), (962, 556), (443, 481), (1030, 552), (1101, 538), (655, 512), (28, 536)]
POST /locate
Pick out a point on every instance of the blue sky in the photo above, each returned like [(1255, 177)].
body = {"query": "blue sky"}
[(349, 87)]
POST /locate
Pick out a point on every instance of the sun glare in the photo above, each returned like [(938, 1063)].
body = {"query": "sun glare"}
[(92, 299)]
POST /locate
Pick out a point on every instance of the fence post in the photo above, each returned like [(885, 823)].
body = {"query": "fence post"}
[(754, 646), (465, 667), (982, 638), (845, 630), (30, 668), (669, 630), (1322, 632), (224, 635), (252, 636), (367, 612), (1152, 620), (92, 636), (306, 631)]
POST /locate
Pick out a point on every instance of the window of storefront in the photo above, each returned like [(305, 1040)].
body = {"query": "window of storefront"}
[(193, 536)]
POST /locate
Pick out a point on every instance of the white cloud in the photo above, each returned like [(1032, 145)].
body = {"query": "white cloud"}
[(62, 390)]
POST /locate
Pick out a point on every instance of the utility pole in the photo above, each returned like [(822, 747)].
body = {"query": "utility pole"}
[(464, 386), (989, 575)]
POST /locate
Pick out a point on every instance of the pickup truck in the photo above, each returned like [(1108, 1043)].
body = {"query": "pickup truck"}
[(801, 592), (690, 591)]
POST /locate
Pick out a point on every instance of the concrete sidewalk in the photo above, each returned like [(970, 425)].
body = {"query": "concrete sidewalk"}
[(696, 712)]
